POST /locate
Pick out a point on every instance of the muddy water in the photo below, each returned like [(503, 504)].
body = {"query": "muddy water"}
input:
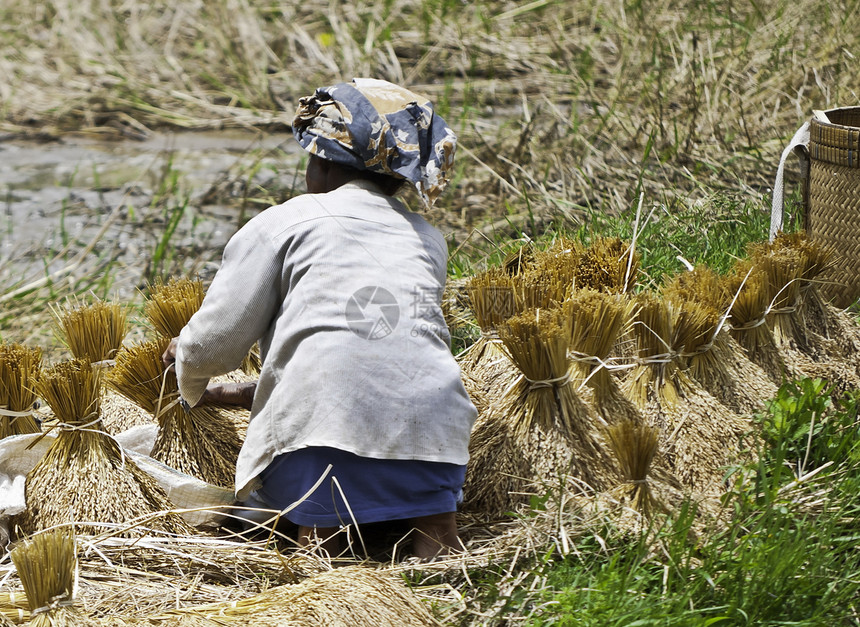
[(55, 199)]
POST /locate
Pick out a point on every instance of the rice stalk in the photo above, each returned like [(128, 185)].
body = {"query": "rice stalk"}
[(85, 478), (47, 567), (19, 371), (634, 446), (715, 361), (203, 442), (746, 298), (698, 435), (491, 298), (608, 265), (597, 320), (540, 432), (170, 305), (657, 354), (796, 259), (94, 331)]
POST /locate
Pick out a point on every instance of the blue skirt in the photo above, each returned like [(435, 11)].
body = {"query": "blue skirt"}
[(375, 489)]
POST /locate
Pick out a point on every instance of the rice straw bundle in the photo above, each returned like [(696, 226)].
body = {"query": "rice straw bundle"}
[(634, 446), (713, 359), (85, 478), (747, 296), (818, 344), (540, 431), (170, 305), (47, 568), (94, 333), (19, 372), (352, 595), (699, 435), (519, 260), (491, 297), (203, 442), (608, 265), (597, 320), (788, 270)]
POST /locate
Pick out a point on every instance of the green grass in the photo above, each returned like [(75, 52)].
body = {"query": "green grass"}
[(789, 557)]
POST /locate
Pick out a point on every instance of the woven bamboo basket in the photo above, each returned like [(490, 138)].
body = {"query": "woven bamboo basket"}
[(832, 198)]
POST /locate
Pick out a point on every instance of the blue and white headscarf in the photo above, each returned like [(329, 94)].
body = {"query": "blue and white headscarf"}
[(375, 125)]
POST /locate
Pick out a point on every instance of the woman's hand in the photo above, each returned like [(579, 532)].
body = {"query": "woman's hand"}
[(168, 357), (240, 394)]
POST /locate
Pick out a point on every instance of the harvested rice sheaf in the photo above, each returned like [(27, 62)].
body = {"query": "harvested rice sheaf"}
[(46, 566), (95, 332), (491, 298), (171, 305), (634, 446), (713, 359), (608, 265), (747, 301), (597, 320), (19, 371), (203, 442), (85, 478), (698, 435), (795, 262), (540, 432)]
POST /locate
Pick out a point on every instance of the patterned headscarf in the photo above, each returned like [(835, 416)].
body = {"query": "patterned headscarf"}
[(375, 125)]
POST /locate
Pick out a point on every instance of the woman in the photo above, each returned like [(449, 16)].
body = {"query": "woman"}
[(342, 288)]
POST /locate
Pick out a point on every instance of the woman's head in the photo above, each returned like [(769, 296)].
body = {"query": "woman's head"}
[(375, 129)]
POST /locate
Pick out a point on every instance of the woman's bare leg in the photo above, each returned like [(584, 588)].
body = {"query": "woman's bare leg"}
[(435, 535)]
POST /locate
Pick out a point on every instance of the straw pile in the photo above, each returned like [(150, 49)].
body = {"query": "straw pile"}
[(713, 359), (353, 595), (94, 333), (698, 434), (203, 442), (540, 431), (46, 565), (19, 372), (85, 478)]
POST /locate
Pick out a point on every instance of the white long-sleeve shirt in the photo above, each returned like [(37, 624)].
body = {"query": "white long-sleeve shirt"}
[(343, 292)]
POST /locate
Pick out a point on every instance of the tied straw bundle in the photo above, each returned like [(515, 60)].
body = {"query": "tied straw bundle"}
[(838, 329), (699, 435), (203, 442), (85, 478), (635, 446), (794, 262), (19, 372), (540, 431), (598, 319), (352, 595), (170, 306), (747, 300), (491, 297), (713, 359), (94, 333), (47, 568)]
